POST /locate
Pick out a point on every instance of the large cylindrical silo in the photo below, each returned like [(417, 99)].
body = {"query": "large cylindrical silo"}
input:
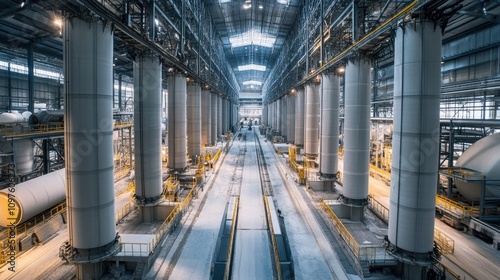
[(264, 120), (357, 133), (214, 119), (225, 115), (147, 128), (290, 118), (330, 89), (299, 117), (415, 142), (219, 115), (177, 127), (311, 137), (283, 116), (33, 197), (194, 120), (88, 139), (478, 157), (206, 112)]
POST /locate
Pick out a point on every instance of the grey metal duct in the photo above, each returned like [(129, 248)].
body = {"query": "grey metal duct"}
[(23, 155), (177, 150), (357, 132), (45, 117), (206, 112), (194, 119), (147, 128), (290, 120), (219, 116), (311, 137), (88, 138), (415, 141), (299, 117), (214, 118), (330, 90)]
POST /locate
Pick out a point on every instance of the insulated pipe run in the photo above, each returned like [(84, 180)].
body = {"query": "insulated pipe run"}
[(299, 117), (194, 120), (311, 138), (357, 132), (88, 138), (177, 126), (290, 120), (415, 142), (214, 119), (330, 90), (206, 113), (147, 128)]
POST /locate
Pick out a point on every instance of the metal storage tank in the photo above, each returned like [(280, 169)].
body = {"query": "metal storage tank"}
[(482, 156), (34, 196)]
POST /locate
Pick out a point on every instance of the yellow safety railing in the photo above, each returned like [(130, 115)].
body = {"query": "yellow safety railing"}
[(454, 207), (148, 248), (342, 230), (273, 238), (231, 236), (125, 210), (380, 210), (216, 157), (445, 244)]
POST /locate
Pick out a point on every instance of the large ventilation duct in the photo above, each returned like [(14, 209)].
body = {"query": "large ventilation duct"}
[(214, 119), (88, 135), (330, 89), (478, 157), (206, 113), (415, 143), (147, 128), (299, 117), (33, 197), (290, 118), (177, 150), (194, 120), (311, 141), (356, 133)]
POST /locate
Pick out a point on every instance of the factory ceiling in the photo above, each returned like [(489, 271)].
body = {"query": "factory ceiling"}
[(231, 46)]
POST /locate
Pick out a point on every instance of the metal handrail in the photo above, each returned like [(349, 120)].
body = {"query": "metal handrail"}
[(125, 210), (273, 238), (231, 236), (452, 206)]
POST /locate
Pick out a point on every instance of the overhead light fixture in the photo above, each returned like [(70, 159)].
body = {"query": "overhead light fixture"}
[(251, 67), (224, 1), (247, 5), (58, 22), (248, 83), (261, 7), (157, 22), (252, 37), (284, 2), (341, 70), (23, 3)]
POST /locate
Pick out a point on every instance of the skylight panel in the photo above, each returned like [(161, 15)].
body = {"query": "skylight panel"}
[(255, 83), (252, 37), (252, 67)]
